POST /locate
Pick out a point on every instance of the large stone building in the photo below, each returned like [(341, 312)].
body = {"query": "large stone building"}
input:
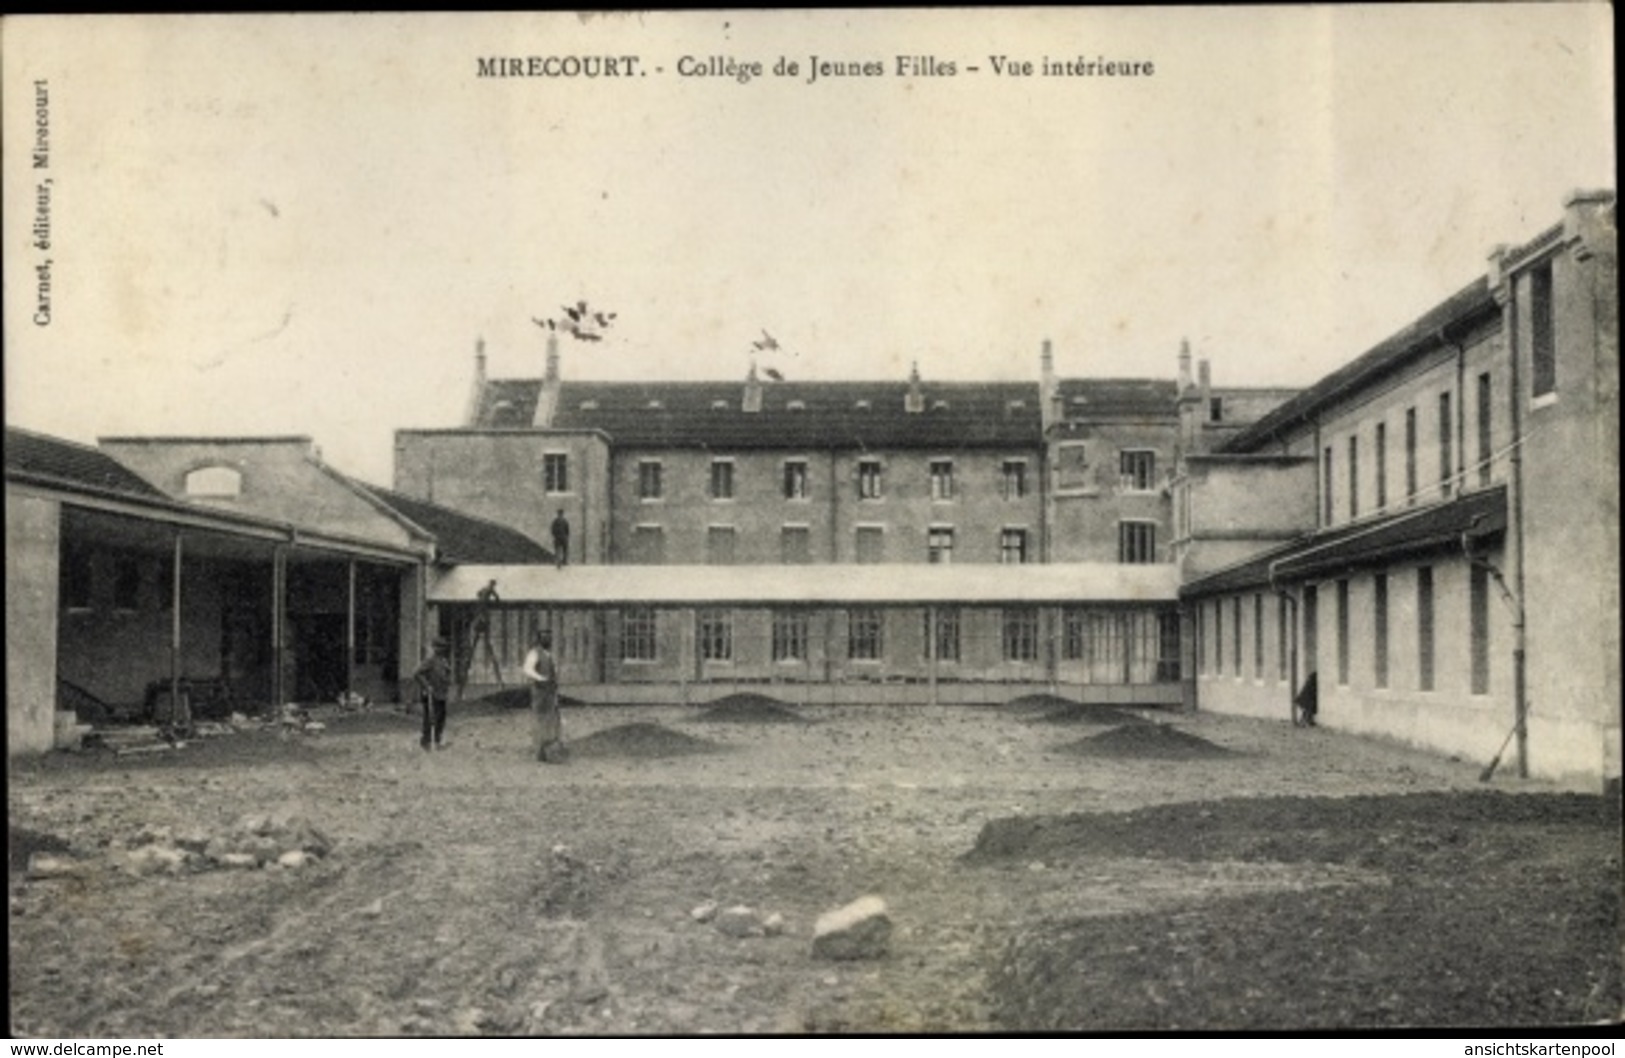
[(1432, 530)]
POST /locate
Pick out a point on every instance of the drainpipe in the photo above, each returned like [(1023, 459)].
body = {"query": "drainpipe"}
[(1520, 685)]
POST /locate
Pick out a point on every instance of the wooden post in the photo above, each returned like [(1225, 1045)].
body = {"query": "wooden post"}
[(279, 576), (931, 649), (175, 639), (349, 631)]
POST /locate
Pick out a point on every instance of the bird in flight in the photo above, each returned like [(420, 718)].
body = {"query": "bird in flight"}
[(772, 374), (766, 343), (579, 321)]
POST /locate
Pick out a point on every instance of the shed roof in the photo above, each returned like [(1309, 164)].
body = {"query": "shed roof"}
[(69, 463), (464, 538), (771, 585)]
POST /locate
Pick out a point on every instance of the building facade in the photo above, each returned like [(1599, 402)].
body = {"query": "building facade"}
[(1431, 531)]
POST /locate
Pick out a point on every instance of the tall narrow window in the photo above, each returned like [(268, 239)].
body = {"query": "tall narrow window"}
[(947, 632), (1137, 542), (1218, 637), (1424, 628), (1258, 636), (1486, 416), (555, 472), (638, 634), (722, 479), (1282, 630), (650, 486), (795, 545), (719, 545), (942, 479), (1235, 612), (869, 479), (939, 544), (1168, 668), (1542, 334), (1410, 455), (789, 635), (1021, 633), (1072, 465), (1013, 546), (1354, 476), (1380, 459), (1326, 486), (865, 638), (1343, 633), (1445, 435), (795, 479), (717, 635), (871, 544), (1137, 469), (1478, 615), (1379, 628), (1014, 479), (1201, 640)]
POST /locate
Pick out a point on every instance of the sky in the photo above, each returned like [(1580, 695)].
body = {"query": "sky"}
[(302, 224)]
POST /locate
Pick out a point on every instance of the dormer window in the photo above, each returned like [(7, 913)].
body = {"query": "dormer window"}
[(939, 405), (655, 404), (1016, 405), (719, 405), (862, 405), (214, 483), (1079, 402), (589, 405), (796, 405)]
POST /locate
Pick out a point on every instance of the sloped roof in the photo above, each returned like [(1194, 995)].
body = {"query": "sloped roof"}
[(801, 414), (1118, 398), (55, 461), (464, 538), (1422, 336), (1481, 514), (775, 585)]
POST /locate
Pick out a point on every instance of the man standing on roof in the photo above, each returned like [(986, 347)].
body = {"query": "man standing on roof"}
[(543, 675), (561, 539)]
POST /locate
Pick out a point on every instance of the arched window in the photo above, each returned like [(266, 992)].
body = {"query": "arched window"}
[(214, 483)]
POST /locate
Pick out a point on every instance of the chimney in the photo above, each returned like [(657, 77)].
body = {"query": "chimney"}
[(914, 400), (753, 392), (1204, 387), (547, 394), (1048, 395), (1184, 365), (1191, 409), (476, 396), (1586, 222)]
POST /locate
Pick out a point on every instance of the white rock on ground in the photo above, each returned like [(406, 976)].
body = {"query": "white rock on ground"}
[(739, 921), (704, 913), (860, 930), (43, 865), (773, 925)]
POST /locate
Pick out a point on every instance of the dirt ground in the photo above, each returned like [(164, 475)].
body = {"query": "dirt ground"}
[(1043, 870)]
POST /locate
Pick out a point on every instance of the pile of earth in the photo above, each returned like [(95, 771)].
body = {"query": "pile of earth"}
[(1087, 713), (509, 698), (1486, 908), (644, 741), (751, 709), (1037, 703), (1145, 741)]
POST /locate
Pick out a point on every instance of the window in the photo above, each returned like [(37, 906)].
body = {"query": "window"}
[(1379, 628), (214, 483), (1071, 466), (649, 484), (555, 472), (1342, 633), (1354, 477), (1326, 486), (1218, 636), (719, 545), (789, 636), (1021, 634), (871, 544), (869, 479), (77, 578), (942, 479), (939, 544), (795, 479), (377, 633), (717, 635), (795, 545), (1542, 334), (1215, 409), (1258, 636), (1137, 542), (1478, 616), (1381, 468), (1424, 628), (126, 582), (1013, 546), (1168, 668), (1445, 469), (1137, 470), (1410, 455), (1201, 641), (1282, 627), (1485, 420), (1014, 479), (722, 479), (947, 634), (865, 635), (638, 634), (648, 545), (1235, 642)]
